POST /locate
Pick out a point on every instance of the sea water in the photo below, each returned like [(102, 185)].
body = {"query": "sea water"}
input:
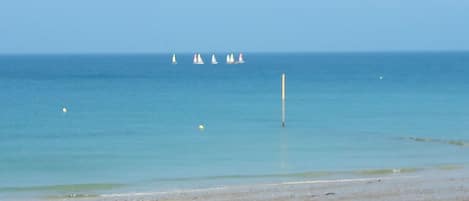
[(132, 121)]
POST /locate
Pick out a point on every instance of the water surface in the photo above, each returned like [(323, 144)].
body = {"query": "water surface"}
[(132, 119)]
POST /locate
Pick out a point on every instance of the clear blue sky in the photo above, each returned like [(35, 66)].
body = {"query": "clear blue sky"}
[(110, 26)]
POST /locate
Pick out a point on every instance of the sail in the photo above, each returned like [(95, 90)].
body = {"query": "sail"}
[(232, 60), (214, 59), (240, 58), (195, 60), (173, 60), (199, 59), (228, 58)]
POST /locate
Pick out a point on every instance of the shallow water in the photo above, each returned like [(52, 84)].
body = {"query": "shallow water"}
[(132, 119)]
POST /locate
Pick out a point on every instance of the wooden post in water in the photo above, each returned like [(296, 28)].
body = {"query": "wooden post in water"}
[(283, 98)]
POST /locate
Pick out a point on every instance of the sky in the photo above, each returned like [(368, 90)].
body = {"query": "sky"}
[(164, 26)]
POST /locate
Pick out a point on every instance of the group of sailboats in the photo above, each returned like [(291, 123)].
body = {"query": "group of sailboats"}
[(197, 59), (231, 60)]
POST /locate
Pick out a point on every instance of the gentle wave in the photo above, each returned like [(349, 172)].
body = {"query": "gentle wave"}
[(461, 143), (301, 175), (450, 167), (64, 188), (286, 175), (73, 195), (388, 171)]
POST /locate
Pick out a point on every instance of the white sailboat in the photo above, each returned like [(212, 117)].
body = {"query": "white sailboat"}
[(228, 59), (195, 59), (232, 60), (173, 59), (241, 58), (214, 59), (199, 59)]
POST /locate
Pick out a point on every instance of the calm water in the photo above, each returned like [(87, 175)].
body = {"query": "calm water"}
[(132, 120)]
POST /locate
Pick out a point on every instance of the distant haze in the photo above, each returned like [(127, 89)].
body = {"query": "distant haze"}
[(164, 26)]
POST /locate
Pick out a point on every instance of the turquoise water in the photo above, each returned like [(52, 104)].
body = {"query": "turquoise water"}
[(132, 120)]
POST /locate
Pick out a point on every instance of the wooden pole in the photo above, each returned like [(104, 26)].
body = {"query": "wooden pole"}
[(284, 77)]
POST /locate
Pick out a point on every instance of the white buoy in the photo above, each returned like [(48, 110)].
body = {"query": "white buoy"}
[(381, 77), (64, 110), (201, 127)]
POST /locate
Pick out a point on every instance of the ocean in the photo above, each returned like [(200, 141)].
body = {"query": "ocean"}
[(132, 120)]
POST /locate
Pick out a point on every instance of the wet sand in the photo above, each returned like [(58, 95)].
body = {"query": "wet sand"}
[(429, 186)]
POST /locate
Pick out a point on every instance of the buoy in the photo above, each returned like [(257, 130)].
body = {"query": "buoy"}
[(201, 127), (64, 110), (380, 77)]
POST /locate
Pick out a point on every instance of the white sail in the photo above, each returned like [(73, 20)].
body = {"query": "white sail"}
[(195, 60), (228, 58), (232, 60), (241, 58), (199, 59), (214, 59), (173, 60)]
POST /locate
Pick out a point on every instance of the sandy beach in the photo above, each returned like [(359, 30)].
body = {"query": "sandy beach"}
[(428, 185)]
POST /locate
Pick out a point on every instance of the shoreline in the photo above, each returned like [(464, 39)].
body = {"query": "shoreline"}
[(431, 185)]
